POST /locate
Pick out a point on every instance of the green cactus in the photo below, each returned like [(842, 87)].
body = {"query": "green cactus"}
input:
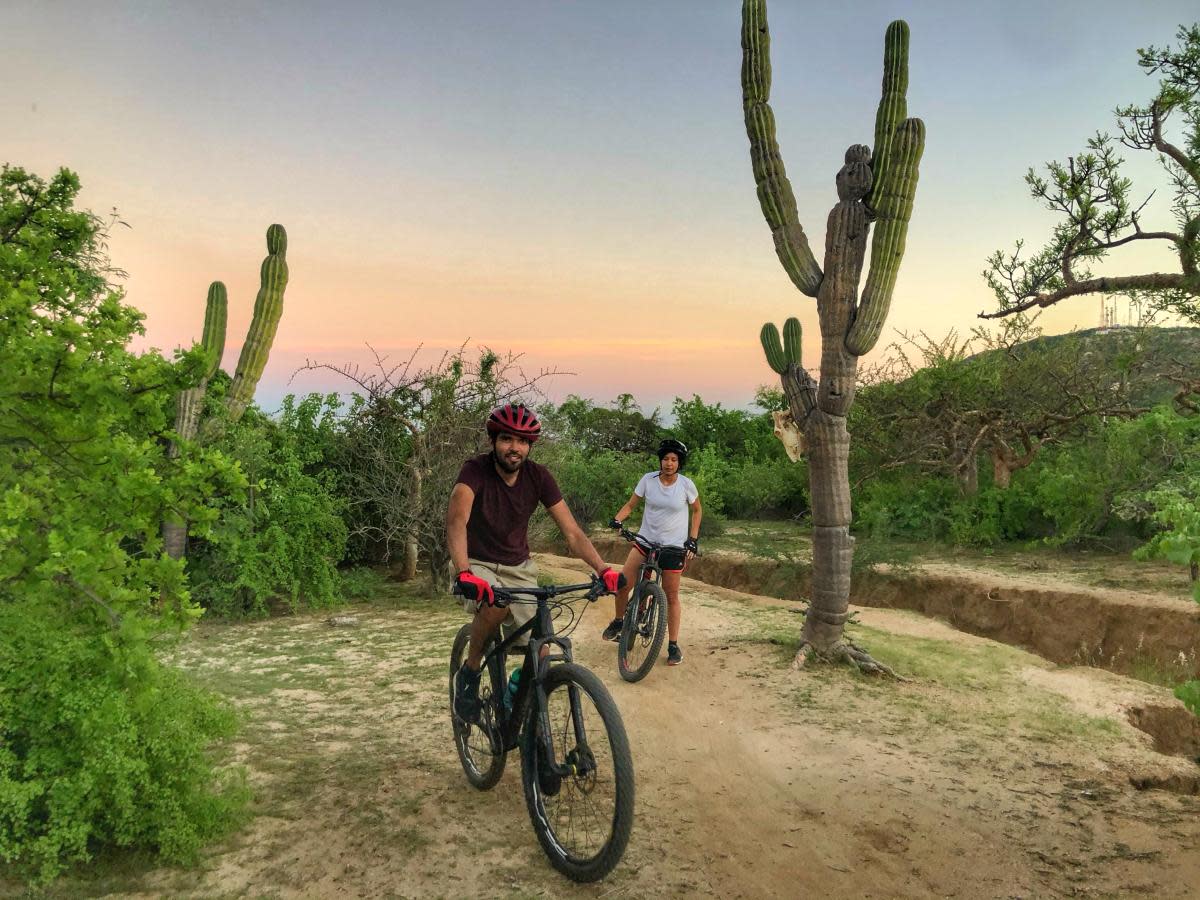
[(781, 356), (268, 308), (891, 231), (872, 188), (893, 105), (191, 401), (774, 190), (216, 312)]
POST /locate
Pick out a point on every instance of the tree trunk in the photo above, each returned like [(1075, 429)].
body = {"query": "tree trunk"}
[(967, 473), (833, 547), (1001, 473), (411, 537), (174, 534), (825, 429)]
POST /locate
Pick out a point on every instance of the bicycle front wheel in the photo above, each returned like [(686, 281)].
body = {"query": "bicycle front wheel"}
[(480, 749), (642, 631), (582, 820)]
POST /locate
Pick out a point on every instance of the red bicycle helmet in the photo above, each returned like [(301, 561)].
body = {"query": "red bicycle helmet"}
[(515, 418)]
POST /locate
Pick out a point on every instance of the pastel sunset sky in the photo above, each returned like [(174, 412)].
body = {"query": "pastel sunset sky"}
[(565, 180)]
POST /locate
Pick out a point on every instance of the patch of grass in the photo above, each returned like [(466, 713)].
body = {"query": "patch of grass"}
[(779, 540), (973, 693), (1153, 671)]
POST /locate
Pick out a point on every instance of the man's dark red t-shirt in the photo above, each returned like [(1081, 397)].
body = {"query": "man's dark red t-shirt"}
[(498, 530)]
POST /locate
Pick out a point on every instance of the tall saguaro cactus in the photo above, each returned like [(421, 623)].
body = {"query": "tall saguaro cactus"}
[(871, 187), (268, 308)]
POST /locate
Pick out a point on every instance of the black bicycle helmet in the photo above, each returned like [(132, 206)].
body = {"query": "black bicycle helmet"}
[(670, 445)]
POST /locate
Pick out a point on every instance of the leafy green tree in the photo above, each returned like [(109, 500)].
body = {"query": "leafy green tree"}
[(946, 407), (283, 538), (1098, 212), (622, 427), (99, 744), (731, 432)]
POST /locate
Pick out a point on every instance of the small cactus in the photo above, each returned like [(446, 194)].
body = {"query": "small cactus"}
[(781, 355)]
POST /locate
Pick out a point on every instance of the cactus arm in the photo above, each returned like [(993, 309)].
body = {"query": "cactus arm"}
[(769, 336), (268, 308), (191, 401), (891, 231), (216, 312), (781, 355), (775, 194), (791, 340), (893, 107)]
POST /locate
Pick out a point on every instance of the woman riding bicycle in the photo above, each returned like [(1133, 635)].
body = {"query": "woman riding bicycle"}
[(668, 495)]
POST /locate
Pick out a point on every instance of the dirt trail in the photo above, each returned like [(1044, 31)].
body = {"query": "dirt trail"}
[(759, 797), (988, 774)]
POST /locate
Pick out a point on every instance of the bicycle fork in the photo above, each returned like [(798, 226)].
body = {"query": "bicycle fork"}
[(579, 760)]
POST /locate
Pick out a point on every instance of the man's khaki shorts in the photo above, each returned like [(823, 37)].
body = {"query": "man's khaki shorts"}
[(522, 575)]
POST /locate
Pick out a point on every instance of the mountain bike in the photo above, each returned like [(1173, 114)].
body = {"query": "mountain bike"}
[(645, 622), (576, 768)]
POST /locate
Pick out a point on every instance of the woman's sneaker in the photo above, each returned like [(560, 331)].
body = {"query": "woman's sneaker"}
[(613, 631), (674, 654)]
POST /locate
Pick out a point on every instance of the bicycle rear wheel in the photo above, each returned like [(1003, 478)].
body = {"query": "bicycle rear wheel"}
[(582, 820), (642, 631), (480, 748)]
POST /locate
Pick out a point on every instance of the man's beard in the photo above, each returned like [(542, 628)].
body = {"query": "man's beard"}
[(507, 466)]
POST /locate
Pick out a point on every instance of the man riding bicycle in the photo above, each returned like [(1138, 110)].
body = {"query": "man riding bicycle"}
[(669, 495), (487, 533)]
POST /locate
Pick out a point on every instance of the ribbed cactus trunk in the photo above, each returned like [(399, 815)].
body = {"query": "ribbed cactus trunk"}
[(875, 187), (191, 403), (268, 308)]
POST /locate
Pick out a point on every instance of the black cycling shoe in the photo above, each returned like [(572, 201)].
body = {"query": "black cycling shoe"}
[(674, 654), (466, 694), (613, 631)]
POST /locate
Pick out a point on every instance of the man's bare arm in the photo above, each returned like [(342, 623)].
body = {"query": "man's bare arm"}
[(457, 515)]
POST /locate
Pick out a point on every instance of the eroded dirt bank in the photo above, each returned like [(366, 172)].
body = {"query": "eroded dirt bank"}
[(1119, 630)]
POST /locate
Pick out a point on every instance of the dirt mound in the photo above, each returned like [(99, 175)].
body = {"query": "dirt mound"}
[(1123, 631), (1175, 730)]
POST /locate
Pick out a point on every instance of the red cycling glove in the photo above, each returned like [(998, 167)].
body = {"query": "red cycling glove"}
[(474, 588), (612, 580)]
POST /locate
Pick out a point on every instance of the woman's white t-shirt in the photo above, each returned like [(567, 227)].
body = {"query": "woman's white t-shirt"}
[(665, 520)]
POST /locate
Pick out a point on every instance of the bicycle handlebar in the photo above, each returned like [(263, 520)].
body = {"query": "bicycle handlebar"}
[(634, 538), (595, 590)]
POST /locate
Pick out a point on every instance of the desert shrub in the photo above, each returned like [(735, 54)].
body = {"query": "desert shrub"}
[(99, 745), (595, 484), (360, 583), (766, 487), (284, 539)]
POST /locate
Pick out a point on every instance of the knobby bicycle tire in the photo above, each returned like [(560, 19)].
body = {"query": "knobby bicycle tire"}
[(632, 631), (551, 800), (480, 751)]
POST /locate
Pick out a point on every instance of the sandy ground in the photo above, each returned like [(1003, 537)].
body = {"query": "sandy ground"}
[(752, 780)]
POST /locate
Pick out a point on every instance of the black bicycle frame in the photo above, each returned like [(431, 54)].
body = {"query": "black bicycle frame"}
[(533, 671)]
